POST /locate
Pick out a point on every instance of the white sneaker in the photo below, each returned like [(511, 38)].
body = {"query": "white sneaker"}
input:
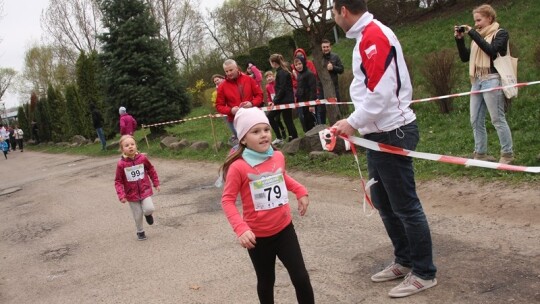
[(411, 285), (277, 141), (391, 272)]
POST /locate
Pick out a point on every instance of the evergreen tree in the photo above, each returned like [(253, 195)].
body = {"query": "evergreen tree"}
[(22, 119), (75, 113), (57, 114), (89, 91), (138, 69), (43, 118)]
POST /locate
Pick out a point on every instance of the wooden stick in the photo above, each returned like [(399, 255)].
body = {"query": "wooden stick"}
[(146, 138), (213, 132)]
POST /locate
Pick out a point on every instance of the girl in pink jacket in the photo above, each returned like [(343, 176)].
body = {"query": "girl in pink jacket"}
[(133, 182), (257, 173)]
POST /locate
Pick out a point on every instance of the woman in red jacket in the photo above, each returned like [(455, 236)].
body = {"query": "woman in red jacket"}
[(133, 182)]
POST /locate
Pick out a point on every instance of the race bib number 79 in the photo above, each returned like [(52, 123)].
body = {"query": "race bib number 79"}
[(134, 173), (269, 192)]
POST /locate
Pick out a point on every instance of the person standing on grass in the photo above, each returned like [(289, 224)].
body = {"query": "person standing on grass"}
[(306, 90), (97, 121), (265, 229), (237, 91), (284, 95), (128, 124), (133, 183), (381, 92), (218, 79), (254, 73), (488, 40), (270, 94), (35, 132)]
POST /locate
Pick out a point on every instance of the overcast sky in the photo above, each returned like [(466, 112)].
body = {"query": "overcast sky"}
[(20, 28)]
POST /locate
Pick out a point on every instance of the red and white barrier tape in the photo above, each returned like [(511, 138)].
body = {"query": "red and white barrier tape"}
[(315, 102), (265, 109), (333, 101), (517, 85), (368, 144), (181, 120)]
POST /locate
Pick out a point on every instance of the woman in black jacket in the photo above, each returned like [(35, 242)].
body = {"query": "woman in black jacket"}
[(488, 40), (284, 95)]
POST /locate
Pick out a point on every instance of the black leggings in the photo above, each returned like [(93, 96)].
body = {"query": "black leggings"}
[(287, 118), (285, 246)]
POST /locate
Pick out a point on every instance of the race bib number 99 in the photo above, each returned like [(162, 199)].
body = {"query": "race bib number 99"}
[(134, 173), (269, 192)]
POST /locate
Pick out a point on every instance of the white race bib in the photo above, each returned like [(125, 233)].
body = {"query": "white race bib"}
[(134, 173), (269, 192)]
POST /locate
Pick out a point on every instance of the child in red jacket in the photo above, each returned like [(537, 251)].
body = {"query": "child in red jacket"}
[(257, 173), (133, 182)]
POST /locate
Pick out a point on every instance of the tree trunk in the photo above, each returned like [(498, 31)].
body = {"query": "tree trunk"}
[(332, 111), (446, 105)]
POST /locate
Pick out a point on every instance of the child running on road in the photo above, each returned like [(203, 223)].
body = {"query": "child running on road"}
[(132, 182), (257, 172), (4, 146)]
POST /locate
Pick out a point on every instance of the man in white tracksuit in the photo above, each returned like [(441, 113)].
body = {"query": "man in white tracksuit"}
[(381, 92)]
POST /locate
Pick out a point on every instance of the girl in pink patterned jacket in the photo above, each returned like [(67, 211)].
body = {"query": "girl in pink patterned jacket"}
[(133, 182)]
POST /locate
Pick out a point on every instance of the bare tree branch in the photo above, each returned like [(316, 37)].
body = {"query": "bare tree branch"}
[(73, 25), (6, 78)]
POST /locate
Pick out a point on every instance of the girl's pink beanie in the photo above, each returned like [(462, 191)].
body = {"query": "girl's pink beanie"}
[(246, 118)]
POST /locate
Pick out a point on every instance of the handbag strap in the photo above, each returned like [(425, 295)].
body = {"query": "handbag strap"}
[(507, 44)]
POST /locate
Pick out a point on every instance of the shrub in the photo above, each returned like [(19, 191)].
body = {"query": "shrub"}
[(260, 57), (197, 92), (242, 61), (301, 39), (283, 45), (440, 72)]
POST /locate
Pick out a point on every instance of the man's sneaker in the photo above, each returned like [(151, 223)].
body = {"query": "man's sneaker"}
[(483, 156), (411, 285), (149, 219), (277, 141), (506, 158), (141, 236), (391, 272)]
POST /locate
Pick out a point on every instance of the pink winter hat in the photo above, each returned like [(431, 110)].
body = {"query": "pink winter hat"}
[(246, 118)]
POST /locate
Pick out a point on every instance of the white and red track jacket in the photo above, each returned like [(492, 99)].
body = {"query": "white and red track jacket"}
[(381, 89)]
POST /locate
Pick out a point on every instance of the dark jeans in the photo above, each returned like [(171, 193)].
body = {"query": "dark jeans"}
[(399, 207), (101, 136), (285, 246), (287, 118), (320, 113)]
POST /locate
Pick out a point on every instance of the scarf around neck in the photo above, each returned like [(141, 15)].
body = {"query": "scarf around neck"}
[(254, 158), (480, 62)]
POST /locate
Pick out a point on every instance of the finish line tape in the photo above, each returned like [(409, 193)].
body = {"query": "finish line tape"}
[(368, 144), (333, 101)]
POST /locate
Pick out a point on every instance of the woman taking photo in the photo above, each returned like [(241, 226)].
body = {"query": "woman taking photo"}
[(488, 40)]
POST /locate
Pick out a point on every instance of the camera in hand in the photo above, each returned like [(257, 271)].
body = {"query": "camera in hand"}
[(460, 28)]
